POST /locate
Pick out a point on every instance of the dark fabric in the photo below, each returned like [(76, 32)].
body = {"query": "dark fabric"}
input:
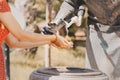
[(106, 11), (5, 50), (75, 3)]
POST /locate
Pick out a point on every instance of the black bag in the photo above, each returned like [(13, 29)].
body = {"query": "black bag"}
[(106, 11)]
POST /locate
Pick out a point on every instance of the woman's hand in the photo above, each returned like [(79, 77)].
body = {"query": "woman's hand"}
[(61, 42)]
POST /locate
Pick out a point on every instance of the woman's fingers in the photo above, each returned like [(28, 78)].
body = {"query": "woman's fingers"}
[(61, 42)]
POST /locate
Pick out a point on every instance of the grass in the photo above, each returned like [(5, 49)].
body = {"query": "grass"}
[(22, 65)]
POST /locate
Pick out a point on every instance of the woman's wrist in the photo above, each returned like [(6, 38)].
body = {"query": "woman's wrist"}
[(55, 38)]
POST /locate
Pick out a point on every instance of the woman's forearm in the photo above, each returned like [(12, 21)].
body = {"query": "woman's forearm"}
[(34, 37), (15, 43)]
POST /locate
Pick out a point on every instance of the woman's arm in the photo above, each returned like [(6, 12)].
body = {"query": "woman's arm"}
[(13, 26), (15, 43)]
